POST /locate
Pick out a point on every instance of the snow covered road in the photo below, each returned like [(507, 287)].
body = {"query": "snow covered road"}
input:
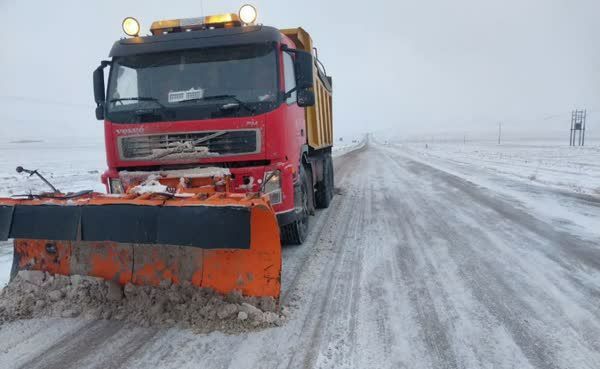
[(410, 267)]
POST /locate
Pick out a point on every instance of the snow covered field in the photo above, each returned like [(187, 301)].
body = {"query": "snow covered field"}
[(551, 164), (348, 143), (559, 182), (69, 166)]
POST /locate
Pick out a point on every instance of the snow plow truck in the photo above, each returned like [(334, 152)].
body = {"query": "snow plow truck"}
[(218, 135)]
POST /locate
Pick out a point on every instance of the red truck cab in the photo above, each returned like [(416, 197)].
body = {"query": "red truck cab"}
[(217, 96)]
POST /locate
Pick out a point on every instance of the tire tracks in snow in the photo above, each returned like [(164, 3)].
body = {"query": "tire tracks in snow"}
[(342, 168), (308, 263), (314, 328), (66, 352), (489, 280), (411, 267)]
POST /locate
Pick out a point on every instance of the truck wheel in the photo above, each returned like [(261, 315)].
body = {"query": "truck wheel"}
[(325, 187), (295, 233)]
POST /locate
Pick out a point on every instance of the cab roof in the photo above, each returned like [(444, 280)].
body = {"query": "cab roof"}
[(195, 40)]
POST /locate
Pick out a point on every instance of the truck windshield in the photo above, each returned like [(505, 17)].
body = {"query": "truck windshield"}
[(193, 84)]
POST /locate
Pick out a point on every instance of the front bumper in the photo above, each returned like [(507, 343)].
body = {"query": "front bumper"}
[(250, 179)]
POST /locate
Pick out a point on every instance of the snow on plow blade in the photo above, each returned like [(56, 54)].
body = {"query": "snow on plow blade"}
[(223, 241)]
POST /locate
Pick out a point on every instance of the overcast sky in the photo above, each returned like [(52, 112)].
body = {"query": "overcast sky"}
[(426, 67)]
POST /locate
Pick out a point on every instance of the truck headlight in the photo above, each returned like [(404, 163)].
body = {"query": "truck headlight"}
[(115, 186), (131, 27), (272, 186), (247, 14)]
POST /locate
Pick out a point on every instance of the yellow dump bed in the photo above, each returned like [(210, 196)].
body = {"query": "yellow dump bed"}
[(319, 118)]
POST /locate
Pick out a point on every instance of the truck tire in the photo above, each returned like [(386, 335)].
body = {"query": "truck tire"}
[(325, 187), (296, 232)]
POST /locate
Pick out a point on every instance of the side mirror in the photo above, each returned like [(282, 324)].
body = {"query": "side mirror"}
[(304, 69), (305, 98), (100, 112), (99, 88)]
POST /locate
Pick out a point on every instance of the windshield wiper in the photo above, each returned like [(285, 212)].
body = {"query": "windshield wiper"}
[(153, 99), (219, 97), (161, 110)]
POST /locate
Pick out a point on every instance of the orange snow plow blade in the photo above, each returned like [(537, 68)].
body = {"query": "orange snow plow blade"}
[(224, 241)]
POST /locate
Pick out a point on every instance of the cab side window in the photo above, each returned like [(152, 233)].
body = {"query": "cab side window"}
[(290, 77)]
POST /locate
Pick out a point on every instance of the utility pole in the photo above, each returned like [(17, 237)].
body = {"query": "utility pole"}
[(578, 118), (499, 132)]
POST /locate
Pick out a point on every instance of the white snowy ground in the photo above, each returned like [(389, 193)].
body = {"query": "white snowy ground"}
[(555, 180), (69, 166), (348, 144), (419, 262), (543, 163)]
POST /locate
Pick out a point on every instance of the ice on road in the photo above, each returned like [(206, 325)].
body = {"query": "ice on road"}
[(411, 267)]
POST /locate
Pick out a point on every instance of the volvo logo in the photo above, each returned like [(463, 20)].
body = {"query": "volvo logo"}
[(129, 131)]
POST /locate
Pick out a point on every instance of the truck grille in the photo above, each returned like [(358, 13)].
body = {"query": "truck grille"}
[(190, 145)]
